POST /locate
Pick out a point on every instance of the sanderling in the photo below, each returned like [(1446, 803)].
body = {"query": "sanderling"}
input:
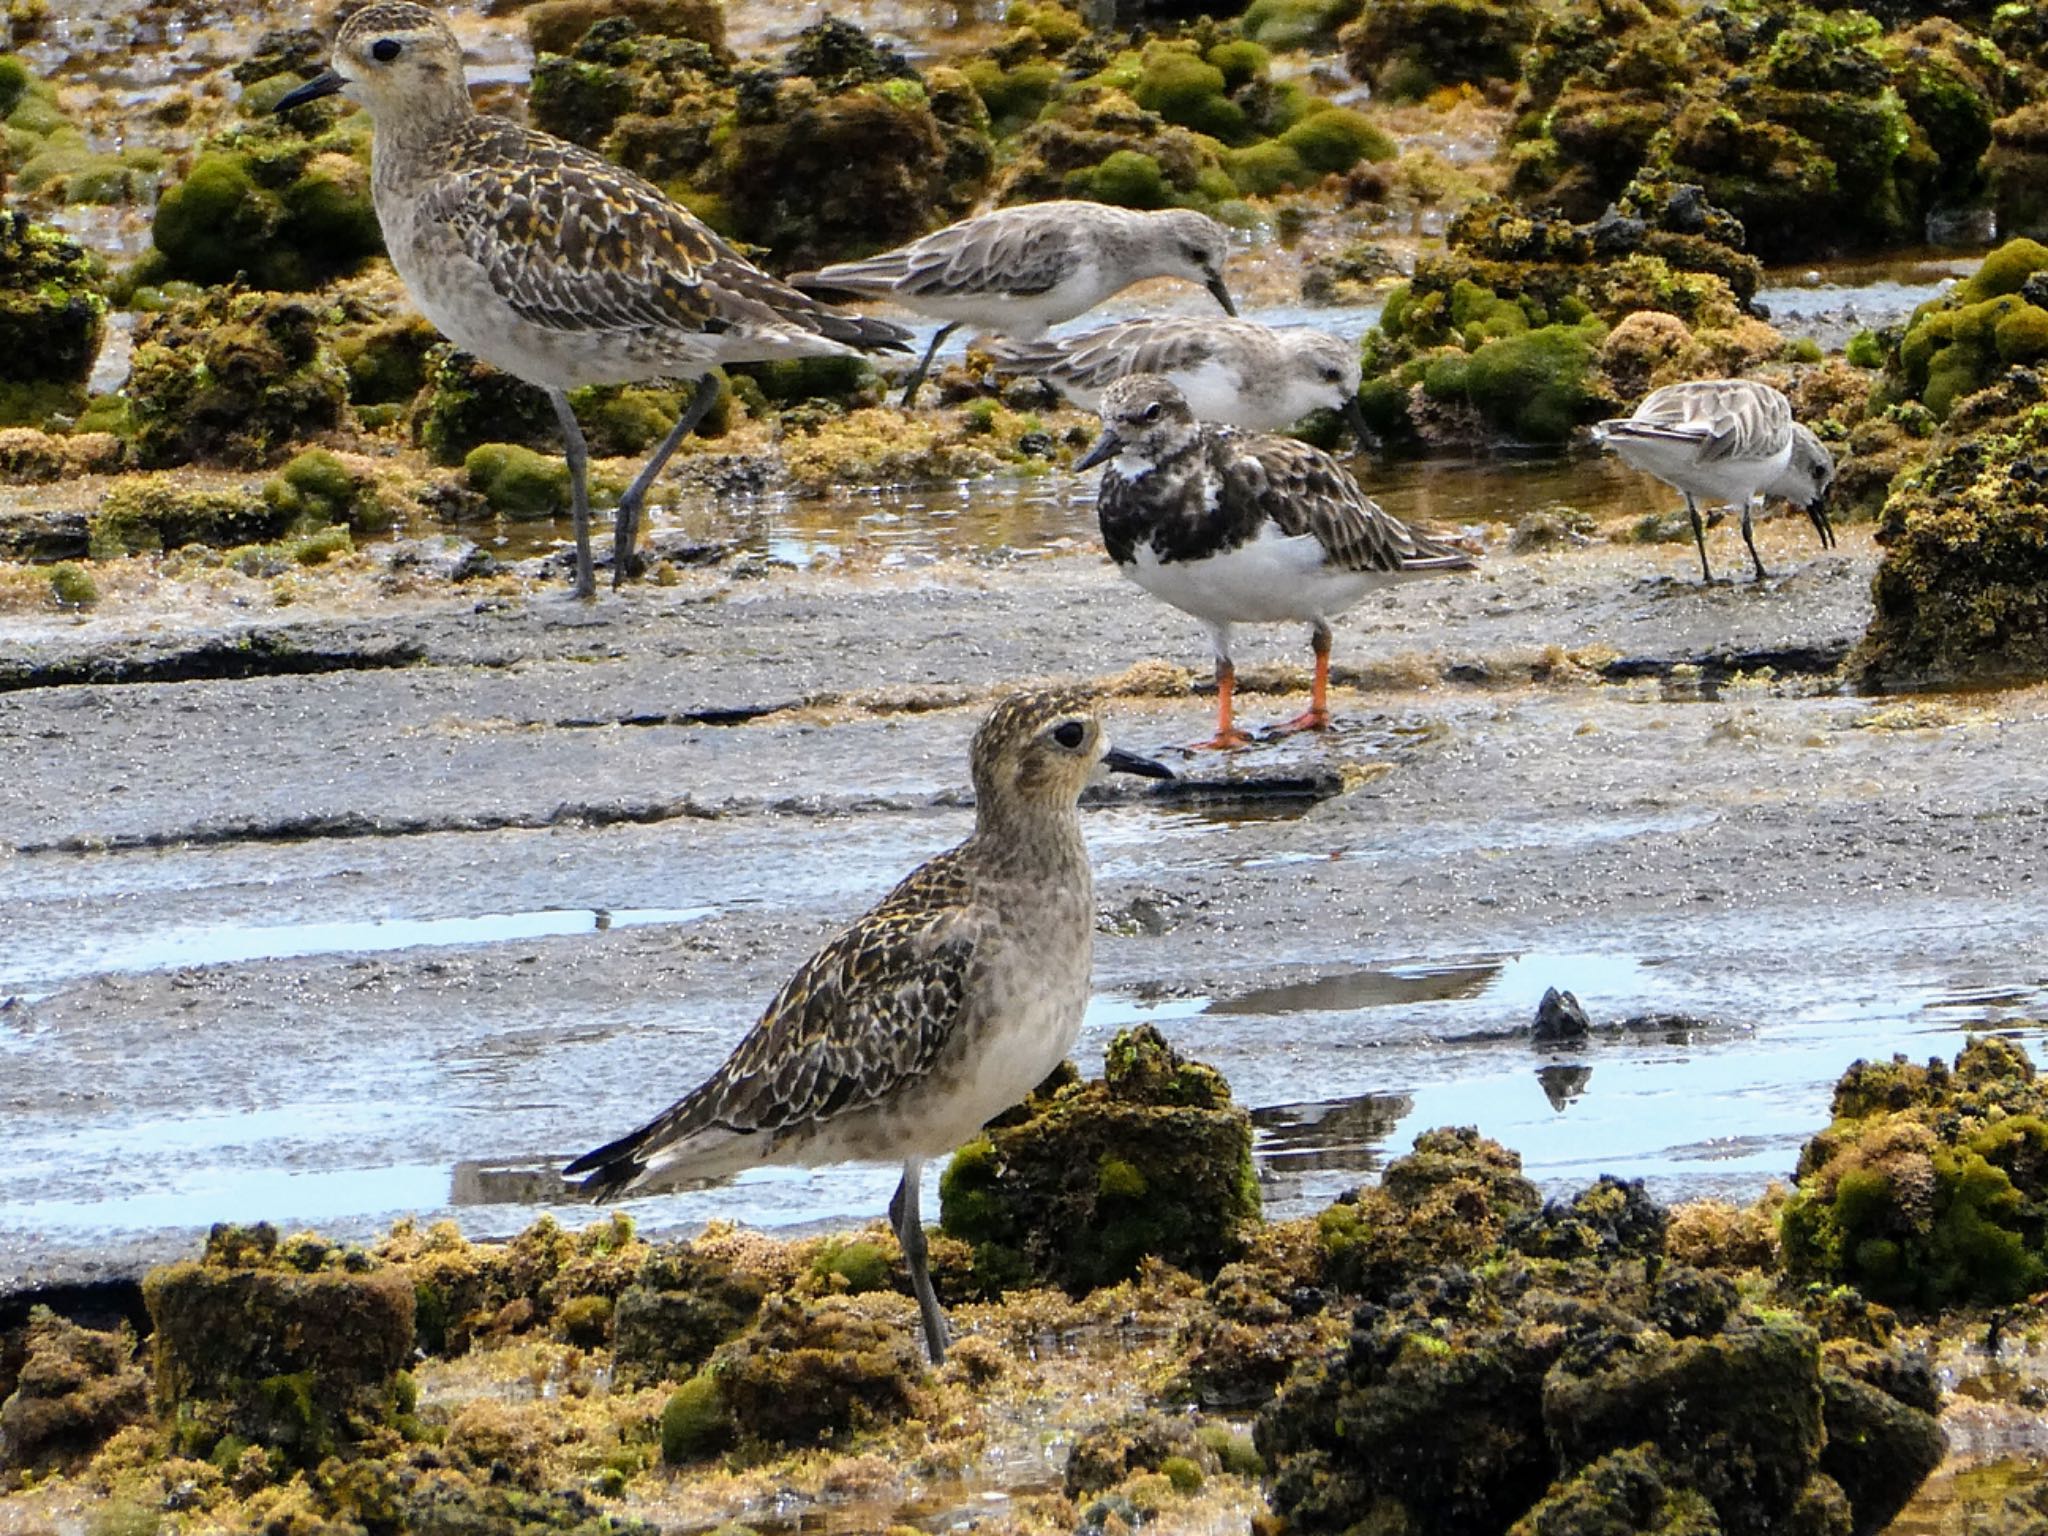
[(942, 1007), (1725, 440), (1018, 270), (550, 262), (1234, 372), (1243, 529)]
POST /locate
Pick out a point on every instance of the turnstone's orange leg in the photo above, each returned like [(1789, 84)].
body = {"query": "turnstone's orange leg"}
[(1317, 716), (1227, 734)]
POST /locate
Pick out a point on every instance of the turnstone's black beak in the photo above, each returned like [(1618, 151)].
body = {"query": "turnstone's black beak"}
[(1354, 418), (1101, 451), (326, 83), (1217, 287), (1116, 760)]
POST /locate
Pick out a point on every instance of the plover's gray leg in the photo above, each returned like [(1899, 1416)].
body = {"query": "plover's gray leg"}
[(1750, 540), (578, 455), (1699, 537), (924, 364), (909, 1225), (626, 525)]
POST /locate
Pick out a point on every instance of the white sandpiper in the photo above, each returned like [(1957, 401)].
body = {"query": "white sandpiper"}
[(1237, 373), (1726, 440), (940, 1008), (550, 262), (1017, 271), (1243, 529)]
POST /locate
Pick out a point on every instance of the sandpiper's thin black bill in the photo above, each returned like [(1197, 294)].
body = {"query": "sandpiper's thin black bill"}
[(326, 83), (1217, 287), (1116, 760)]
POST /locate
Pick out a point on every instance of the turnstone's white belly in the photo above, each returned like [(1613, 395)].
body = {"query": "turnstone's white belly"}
[(1275, 578)]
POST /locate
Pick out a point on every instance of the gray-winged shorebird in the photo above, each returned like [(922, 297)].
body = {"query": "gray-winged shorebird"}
[(1237, 373), (1726, 440), (552, 263), (1239, 528), (943, 1006), (1017, 271)]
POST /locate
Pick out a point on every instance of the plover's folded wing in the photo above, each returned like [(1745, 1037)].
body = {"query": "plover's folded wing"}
[(1303, 490), (575, 243), (865, 1015)]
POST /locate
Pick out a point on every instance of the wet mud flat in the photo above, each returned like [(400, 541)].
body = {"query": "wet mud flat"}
[(327, 945)]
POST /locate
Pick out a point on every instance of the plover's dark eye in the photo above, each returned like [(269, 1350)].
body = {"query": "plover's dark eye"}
[(384, 50), (1069, 734), (1151, 412)]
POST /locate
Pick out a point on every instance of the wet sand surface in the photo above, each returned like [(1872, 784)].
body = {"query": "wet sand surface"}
[(329, 948)]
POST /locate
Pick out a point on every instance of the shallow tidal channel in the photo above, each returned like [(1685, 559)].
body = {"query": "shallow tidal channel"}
[(330, 949)]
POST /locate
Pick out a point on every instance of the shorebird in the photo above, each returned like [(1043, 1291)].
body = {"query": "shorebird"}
[(1238, 528), (1019, 270), (1726, 440), (1234, 372), (943, 1006), (550, 262)]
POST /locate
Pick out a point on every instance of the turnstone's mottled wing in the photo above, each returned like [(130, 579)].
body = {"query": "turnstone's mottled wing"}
[(1301, 489), (995, 255), (574, 243), (866, 1015), (1724, 418)]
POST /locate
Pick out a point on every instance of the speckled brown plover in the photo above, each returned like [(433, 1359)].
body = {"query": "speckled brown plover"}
[(1237, 528), (1237, 373), (552, 263), (943, 1006), (1017, 271), (1726, 440)]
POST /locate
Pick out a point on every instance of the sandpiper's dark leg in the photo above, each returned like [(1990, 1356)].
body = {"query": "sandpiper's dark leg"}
[(626, 526), (924, 365), (903, 1216), (1317, 716), (578, 455), (1750, 540), (1699, 537)]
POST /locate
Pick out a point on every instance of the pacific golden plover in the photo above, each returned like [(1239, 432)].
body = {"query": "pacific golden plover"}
[(1237, 373), (552, 263), (1237, 528), (943, 1006), (1019, 270), (1726, 440)]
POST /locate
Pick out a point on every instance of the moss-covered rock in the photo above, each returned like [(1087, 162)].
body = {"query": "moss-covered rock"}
[(234, 378), (52, 313), (74, 1388), (305, 1361), (1410, 47), (1451, 1199), (467, 403), (1082, 1182), (317, 488), (143, 514), (1283, 24), (2017, 166), (811, 1371), (1928, 1187), (517, 482), (679, 1309)]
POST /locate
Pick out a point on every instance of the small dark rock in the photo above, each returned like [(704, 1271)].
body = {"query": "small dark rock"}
[(1560, 1020)]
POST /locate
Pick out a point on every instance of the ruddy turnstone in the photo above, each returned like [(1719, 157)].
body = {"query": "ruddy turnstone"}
[(1726, 440), (943, 1006), (1019, 270), (1234, 372), (1243, 529), (552, 263)]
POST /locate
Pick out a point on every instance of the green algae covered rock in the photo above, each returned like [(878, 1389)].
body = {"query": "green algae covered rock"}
[(467, 403), (1283, 24), (75, 1387), (517, 482), (304, 1360), (1555, 1373), (144, 514), (681, 1306), (809, 1371), (1928, 1186), (1085, 1180), (1410, 47), (52, 313), (234, 378), (318, 488), (2017, 165)]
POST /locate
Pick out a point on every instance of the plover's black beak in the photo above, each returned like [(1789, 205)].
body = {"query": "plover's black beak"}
[(1216, 286), (1116, 760), (1101, 451), (1354, 418), (326, 83)]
